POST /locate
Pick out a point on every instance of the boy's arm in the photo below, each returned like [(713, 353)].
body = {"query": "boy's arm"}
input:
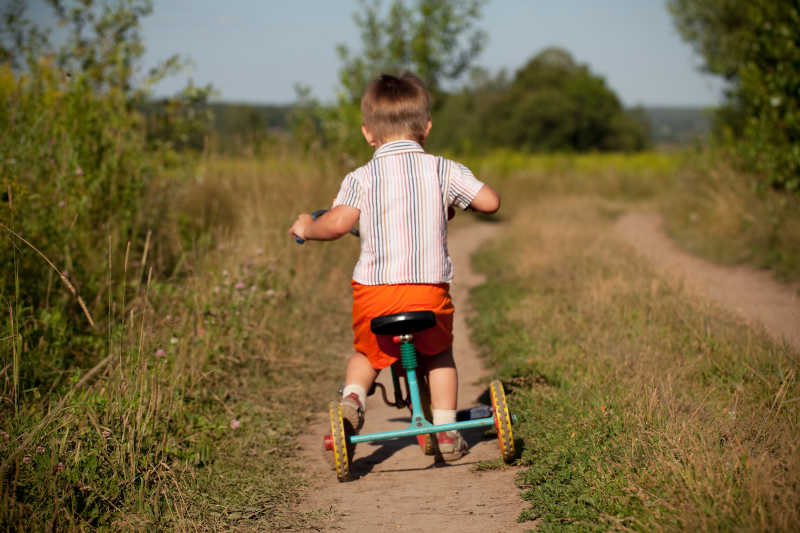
[(486, 201), (328, 227)]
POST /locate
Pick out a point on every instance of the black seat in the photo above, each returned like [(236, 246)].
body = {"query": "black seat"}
[(402, 323)]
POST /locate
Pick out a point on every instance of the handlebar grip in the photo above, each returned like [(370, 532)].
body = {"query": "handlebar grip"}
[(315, 215)]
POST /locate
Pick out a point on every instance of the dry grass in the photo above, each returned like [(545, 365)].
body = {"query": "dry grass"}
[(641, 406), (720, 213), (148, 442)]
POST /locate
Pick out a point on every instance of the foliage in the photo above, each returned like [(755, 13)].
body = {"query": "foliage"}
[(756, 47), (77, 181), (552, 104), (435, 39), (181, 122), (161, 435)]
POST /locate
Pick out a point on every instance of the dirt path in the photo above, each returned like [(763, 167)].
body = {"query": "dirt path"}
[(752, 294), (397, 487)]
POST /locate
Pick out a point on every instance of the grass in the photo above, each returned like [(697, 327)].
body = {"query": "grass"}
[(640, 407), (189, 419), (722, 214)]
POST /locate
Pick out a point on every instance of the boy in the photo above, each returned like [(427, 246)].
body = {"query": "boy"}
[(402, 200)]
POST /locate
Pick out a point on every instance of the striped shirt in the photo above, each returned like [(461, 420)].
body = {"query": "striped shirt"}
[(403, 195)]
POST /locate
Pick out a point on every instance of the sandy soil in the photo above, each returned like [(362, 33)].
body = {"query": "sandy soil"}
[(753, 295), (397, 488)]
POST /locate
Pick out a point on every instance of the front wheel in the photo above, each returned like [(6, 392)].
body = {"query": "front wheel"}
[(502, 421), (339, 445)]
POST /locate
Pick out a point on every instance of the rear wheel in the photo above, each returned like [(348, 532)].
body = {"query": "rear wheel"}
[(340, 447), (502, 421)]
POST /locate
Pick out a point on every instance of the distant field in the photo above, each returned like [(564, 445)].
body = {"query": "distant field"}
[(668, 125)]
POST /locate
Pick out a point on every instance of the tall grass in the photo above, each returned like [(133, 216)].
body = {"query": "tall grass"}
[(726, 215), (194, 377)]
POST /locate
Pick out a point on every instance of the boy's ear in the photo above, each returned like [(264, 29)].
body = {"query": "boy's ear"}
[(368, 136), (428, 129)]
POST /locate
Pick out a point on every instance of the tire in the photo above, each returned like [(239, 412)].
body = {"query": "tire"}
[(342, 451), (502, 421)]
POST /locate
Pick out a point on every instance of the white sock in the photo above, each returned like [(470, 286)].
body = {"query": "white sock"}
[(444, 416), (360, 392)]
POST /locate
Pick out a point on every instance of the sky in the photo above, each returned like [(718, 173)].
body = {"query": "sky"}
[(258, 50)]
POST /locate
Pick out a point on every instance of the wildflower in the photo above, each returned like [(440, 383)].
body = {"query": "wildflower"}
[(235, 423), (161, 353), (239, 285), (216, 289), (26, 459), (59, 467), (106, 433), (201, 331), (270, 293), (40, 450), (173, 340), (168, 318), (79, 171), (259, 251), (3, 434), (225, 273), (62, 203)]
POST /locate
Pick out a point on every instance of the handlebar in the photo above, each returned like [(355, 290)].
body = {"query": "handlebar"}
[(315, 215)]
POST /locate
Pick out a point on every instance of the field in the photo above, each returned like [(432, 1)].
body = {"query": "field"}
[(640, 407), (643, 407)]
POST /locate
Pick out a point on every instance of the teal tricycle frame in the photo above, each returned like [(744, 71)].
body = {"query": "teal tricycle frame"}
[(341, 441)]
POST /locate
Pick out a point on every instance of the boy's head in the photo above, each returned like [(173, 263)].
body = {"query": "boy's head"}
[(395, 108)]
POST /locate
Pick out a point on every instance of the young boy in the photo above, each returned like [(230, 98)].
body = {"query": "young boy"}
[(402, 200)]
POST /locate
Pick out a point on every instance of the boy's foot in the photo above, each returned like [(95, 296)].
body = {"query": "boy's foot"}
[(451, 445), (353, 411)]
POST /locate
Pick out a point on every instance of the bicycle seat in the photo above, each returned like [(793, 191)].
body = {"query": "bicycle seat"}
[(402, 323)]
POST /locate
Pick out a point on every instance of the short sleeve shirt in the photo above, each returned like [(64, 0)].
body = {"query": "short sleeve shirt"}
[(403, 194)]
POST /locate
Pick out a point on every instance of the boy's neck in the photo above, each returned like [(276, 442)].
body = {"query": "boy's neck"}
[(395, 139)]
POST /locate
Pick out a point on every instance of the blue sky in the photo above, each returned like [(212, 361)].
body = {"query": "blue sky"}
[(256, 50)]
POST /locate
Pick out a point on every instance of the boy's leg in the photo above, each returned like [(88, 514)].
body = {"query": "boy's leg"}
[(443, 380), (358, 380)]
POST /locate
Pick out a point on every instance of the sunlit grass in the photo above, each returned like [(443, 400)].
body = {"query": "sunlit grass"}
[(640, 406)]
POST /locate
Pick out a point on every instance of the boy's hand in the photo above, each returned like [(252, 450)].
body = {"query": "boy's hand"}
[(298, 229)]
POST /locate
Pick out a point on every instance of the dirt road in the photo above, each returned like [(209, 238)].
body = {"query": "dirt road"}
[(751, 294), (397, 488)]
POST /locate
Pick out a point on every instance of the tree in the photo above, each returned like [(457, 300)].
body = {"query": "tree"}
[(755, 45), (435, 39), (552, 104)]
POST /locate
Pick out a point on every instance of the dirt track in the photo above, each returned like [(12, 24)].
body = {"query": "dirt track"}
[(753, 295), (397, 487)]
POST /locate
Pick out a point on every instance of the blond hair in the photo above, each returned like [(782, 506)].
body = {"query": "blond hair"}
[(396, 107)]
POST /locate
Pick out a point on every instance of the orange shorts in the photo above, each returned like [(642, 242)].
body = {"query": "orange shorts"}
[(371, 301)]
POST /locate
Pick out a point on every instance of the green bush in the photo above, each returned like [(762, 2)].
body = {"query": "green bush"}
[(552, 104), (755, 46)]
